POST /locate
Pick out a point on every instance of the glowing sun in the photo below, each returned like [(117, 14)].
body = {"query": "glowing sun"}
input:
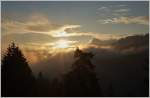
[(62, 44)]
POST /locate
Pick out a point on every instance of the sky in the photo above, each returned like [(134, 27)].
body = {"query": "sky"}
[(99, 16), (61, 24)]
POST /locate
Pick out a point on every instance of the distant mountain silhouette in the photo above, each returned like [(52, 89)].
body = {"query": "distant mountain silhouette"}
[(136, 41)]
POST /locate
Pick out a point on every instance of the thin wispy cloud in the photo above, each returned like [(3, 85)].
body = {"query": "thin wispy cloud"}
[(113, 11), (122, 10), (143, 20), (35, 24), (102, 8), (121, 5)]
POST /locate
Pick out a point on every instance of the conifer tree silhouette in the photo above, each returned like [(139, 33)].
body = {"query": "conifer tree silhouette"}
[(17, 78), (81, 80)]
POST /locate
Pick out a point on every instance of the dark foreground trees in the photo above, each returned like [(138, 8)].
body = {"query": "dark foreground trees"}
[(17, 78), (81, 81)]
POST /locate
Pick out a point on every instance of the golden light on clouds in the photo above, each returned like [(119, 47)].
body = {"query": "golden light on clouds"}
[(37, 23), (46, 37), (62, 44)]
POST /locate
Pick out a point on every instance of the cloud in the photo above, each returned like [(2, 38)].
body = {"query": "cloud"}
[(12, 26), (121, 10), (35, 24), (121, 5), (113, 11), (119, 14), (44, 41), (144, 20), (90, 35), (28, 38), (69, 28), (102, 8), (41, 26)]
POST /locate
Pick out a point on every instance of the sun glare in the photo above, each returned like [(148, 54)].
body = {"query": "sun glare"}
[(62, 44)]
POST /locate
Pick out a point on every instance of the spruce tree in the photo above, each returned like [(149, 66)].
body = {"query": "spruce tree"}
[(17, 78), (81, 81)]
